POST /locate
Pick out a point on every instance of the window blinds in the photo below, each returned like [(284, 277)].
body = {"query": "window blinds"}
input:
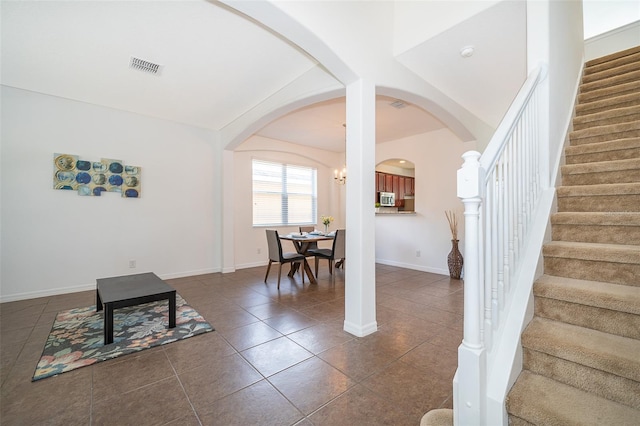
[(283, 194)]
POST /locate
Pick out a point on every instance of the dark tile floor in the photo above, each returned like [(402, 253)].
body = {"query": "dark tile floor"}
[(276, 357)]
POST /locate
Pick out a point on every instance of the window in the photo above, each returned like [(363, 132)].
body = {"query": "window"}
[(283, 194)]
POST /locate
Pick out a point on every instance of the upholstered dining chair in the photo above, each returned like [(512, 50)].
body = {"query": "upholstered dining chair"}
[(337, 251), (276, 255), (311, 246)]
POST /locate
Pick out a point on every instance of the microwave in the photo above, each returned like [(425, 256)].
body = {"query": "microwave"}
[(387, 199)]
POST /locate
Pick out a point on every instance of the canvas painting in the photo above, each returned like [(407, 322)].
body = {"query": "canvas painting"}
[(92, 178)]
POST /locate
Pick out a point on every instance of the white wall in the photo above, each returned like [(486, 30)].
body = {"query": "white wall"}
[(566, 57), (251, 243), (56, 241), (437, 157), (622, 38)]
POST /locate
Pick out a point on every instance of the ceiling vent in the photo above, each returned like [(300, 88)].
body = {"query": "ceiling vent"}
[(145, 66), (398, 104)]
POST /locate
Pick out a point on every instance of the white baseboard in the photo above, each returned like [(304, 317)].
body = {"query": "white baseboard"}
[(414, 267), (46, 293), (360, 331), (85, 287), (251, 265)]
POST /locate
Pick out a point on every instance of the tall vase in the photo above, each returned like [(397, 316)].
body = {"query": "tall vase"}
[(455, 261), (326, 228)]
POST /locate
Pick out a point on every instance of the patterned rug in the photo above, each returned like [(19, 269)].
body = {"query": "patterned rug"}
[(77, 340)]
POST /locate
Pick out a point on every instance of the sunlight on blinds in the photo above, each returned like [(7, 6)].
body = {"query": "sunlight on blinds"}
[(283, 194)]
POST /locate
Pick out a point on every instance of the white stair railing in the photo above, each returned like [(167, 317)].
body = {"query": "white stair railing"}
[(500, 190)]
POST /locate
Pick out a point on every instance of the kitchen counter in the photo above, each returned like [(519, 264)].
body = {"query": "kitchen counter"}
[(392, 211)]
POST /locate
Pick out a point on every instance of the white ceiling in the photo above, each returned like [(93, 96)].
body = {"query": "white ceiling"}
[(217, 65)]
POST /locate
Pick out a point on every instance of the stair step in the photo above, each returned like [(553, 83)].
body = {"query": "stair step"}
[(618, 197), (543, 401), (614, 80), (619, 61), (615, 171), (612, 57), (599, 101), (606, 307), (625, 65), (600, 383), (611, 116), (592, 348), (596, 227), (605, 133), (619, 149), (613, 263)]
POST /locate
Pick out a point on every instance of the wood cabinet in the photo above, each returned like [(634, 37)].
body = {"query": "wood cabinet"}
[(401, 188), (408, 186), (388, 182), (399, 185), (380, 182)]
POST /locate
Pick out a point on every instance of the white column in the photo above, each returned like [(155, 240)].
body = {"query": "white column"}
[(227, 230), (360, 292)]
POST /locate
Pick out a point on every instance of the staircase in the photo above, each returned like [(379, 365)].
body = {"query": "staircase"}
[(581, 351)]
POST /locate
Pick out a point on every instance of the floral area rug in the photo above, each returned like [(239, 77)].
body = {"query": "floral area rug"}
[(77, 339)]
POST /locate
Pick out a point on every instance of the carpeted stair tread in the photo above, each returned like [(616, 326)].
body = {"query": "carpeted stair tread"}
[(613, 263), (617, 189), (614, 80), (612, 253), (613, 101), (596, 218), (597, 227), (614, 171), (618, 149), (599, 383), (605, 133), (616, 297), (543, 401), (604, 93), (602, 351), (622, 60), (612, 57), (620, 67), (611, 116), (619, 197)]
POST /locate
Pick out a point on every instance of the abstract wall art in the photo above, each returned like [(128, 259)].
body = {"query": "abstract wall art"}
[(92, 178)]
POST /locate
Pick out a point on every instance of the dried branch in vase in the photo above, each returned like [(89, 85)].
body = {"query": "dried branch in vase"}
[(453, 223)]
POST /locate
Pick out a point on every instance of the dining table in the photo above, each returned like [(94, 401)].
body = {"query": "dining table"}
[(302, 243)]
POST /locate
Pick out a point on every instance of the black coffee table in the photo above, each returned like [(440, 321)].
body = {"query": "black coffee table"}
[(131, 290)]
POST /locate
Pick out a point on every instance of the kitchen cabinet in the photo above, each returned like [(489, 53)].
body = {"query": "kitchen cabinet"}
[(400, 185), (408, 186), (380, 182), (388, 182)]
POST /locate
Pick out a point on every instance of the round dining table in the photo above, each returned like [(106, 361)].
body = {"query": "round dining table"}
[(302, 243)]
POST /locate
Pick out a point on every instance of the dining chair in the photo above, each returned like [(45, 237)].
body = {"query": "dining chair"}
[(337, 251), (312, 246), (276, 255)]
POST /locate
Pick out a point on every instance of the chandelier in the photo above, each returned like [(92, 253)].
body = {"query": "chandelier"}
[(340, 177)]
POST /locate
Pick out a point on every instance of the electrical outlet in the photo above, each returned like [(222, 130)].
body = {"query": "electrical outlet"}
[(417, 253), (132, 264), (259, 251)]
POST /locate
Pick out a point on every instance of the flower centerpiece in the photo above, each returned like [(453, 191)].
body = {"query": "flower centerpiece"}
[(326, 220), (454, 260)]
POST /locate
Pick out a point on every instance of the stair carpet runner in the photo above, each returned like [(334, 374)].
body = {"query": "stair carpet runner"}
[(581, 351)]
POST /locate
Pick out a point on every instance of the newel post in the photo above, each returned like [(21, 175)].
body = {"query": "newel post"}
[(470, 390)]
